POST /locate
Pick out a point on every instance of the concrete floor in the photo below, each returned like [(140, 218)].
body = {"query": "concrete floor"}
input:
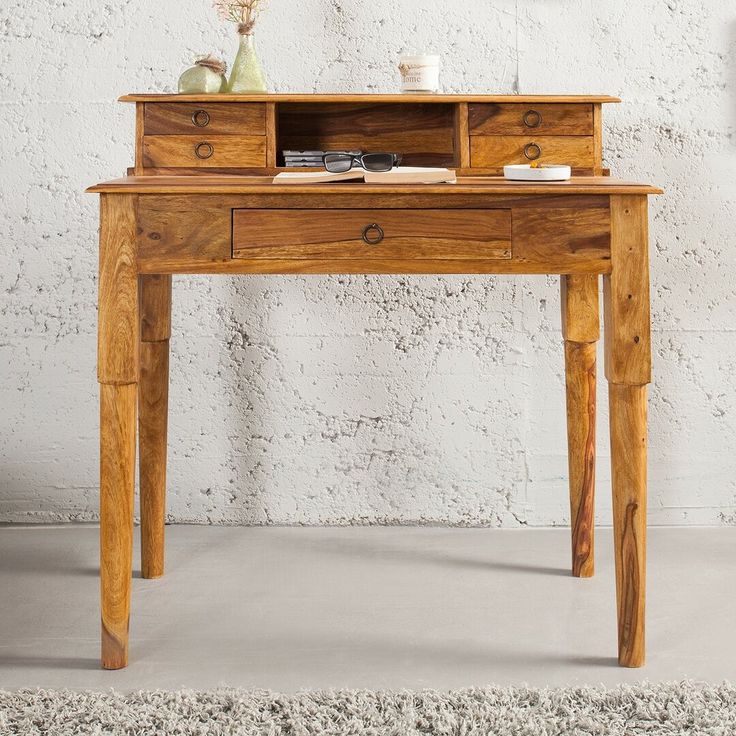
[(299, 608)]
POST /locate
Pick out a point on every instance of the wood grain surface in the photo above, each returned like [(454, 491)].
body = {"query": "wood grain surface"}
[(423, 134), (338, 233), (580, 311), (185, 234), (598, 140), (117, 485), (580, 383), (153, 393), (570, 232), (408, 266), (152, 436), (221, 150), (140, 116), (204, 184), (172, 118), (118, 358), (155, 308), (496, 151), (401, 98), (184, 229), (542, 119), (272, 131), (628, 352), (581, 330), (118, 325), (462, 136), (628, 416), (154, 224), (628, 369)]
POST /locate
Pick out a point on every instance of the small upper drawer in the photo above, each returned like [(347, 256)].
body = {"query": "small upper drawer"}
[(214, 151), (495, 151), (516, 119), (229, 118), (383, 234)]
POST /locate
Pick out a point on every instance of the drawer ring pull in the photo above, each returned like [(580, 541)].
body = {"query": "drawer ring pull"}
[(532, 118), (532, 151), (369, 239), (204, 150), (201, 118)]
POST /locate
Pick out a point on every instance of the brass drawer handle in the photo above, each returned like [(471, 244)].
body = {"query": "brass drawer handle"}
[(532, 119), (201, 118), (368, 239), (204, 150), (532, 151)]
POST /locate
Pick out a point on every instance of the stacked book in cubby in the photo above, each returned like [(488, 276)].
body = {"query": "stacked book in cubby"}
[(308, 159)]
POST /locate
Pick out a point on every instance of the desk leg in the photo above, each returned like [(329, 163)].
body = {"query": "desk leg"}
[(153, 406), (117, 371), (628, 407), (628, 370), (581, 330)]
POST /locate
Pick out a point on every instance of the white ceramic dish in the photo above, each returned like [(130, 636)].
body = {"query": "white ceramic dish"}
[(545, 172)]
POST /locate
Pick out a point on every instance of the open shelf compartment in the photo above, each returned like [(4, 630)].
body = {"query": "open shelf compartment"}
[(423, 133)]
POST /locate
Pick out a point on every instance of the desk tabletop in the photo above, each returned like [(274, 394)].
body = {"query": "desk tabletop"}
[(371, 97), (204, 184)]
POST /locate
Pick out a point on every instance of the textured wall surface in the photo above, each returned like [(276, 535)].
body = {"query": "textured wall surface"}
[(354, 399)]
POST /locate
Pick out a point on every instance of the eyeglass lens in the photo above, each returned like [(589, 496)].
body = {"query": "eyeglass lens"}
[(378, 161), (336, 163)]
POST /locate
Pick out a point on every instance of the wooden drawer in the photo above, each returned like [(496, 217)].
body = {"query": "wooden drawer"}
[(223, 118), (242, 151), (404, 234), (494, 151), (544, 119)]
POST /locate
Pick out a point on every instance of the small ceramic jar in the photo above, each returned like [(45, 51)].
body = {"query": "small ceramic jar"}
[(420, 73), (207, 77)]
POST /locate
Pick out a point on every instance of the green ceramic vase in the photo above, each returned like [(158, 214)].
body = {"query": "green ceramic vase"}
[(201, 80), (247, 74)]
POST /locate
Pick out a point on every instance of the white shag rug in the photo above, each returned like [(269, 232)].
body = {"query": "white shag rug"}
[(670, 709)]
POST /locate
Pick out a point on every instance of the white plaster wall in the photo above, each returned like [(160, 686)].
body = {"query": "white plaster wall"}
[(354, 399)]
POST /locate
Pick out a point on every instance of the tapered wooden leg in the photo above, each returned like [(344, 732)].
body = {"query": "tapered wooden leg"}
[(628, 407), (628, 370), (117, 487), (580, 381), (117, 372), (153, 418), (581, 329)]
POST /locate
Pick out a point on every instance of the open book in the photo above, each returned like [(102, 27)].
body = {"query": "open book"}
[(399, 175)]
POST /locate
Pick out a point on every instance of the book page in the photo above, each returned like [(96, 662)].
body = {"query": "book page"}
[(316, 177)]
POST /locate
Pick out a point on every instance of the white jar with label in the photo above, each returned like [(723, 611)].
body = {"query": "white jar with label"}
[(420, 73)]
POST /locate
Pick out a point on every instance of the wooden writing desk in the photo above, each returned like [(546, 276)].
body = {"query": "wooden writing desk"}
[(200, 200)]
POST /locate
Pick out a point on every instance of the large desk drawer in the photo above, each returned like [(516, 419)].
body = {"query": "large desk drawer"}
[(441, 234)]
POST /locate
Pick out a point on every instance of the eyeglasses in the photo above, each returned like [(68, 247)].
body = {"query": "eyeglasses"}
[(337, 163)]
